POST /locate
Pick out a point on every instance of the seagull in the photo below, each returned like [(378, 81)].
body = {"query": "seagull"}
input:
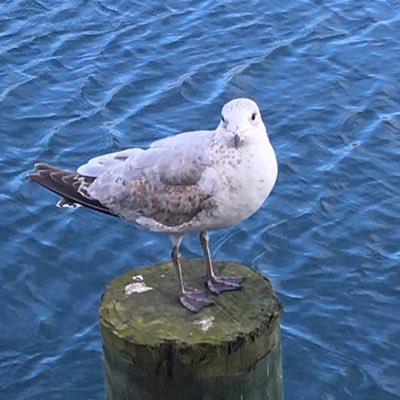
[(195, 181)]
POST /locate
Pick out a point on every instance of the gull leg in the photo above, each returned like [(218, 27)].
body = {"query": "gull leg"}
[(217, 284), (193, 300)]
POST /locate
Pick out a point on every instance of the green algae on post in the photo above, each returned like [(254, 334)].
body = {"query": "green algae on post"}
[(156, 349)]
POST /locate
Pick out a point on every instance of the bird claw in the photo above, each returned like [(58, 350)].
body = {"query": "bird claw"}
[(218, 284), (194, 300)]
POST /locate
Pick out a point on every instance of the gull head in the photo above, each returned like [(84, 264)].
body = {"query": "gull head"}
[(241, 120)]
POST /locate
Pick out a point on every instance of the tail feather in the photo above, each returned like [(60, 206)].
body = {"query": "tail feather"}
[(67, 185)]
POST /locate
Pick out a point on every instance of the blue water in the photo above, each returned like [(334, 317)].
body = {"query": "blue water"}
[(81, 78)]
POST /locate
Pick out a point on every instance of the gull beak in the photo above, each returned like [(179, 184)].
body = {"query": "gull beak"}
[(237, 138)]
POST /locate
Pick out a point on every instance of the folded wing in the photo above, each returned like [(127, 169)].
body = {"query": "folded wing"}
[(161, 184), (159, 187)]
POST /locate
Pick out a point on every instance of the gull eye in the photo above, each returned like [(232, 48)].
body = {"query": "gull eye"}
[(253, 116), (223, 119)]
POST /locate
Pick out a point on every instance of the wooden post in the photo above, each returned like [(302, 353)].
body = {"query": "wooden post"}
[(155, 349)]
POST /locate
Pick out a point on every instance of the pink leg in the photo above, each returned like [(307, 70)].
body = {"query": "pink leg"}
[(193, 300), (217, 284)]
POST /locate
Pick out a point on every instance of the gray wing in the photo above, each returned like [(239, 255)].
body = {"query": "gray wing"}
[(98, 165), (161, 184)]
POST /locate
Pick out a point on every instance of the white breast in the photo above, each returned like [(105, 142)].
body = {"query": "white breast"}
[(243, 179)]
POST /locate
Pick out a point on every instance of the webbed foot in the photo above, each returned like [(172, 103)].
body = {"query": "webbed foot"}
[(218, 284), (195, 300)]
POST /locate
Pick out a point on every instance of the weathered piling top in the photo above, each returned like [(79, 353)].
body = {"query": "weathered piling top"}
[(152, 326)]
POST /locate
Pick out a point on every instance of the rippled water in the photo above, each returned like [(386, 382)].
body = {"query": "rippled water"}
[(81, 78)]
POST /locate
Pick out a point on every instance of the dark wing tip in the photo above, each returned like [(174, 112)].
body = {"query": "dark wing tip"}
[(37, 173), (66, 184)]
